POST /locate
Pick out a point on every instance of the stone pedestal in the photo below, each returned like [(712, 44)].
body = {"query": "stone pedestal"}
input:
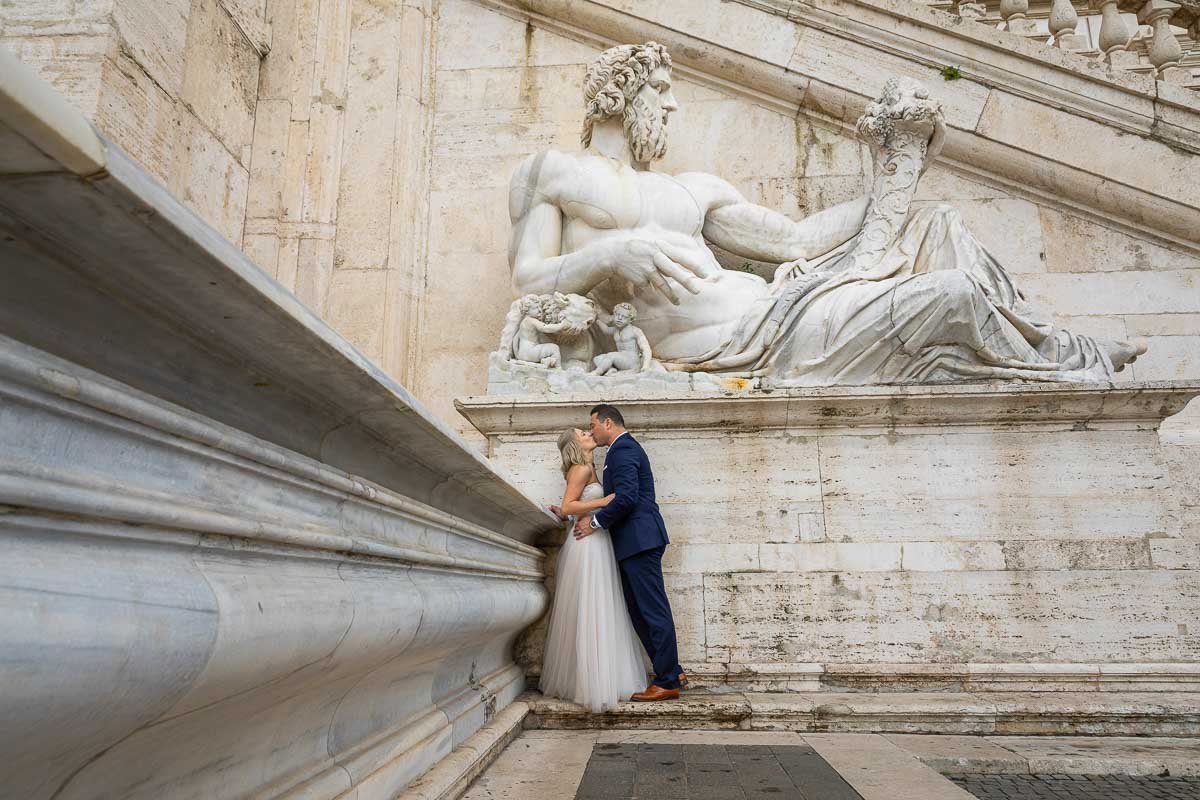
[(952, 538)]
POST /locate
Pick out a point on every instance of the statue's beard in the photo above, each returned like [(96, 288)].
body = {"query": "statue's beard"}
[(645, 130)]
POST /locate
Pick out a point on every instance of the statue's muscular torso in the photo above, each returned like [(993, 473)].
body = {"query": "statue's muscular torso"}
[(600, 198)]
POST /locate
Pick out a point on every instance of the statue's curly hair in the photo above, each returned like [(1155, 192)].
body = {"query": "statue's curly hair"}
[(629, 310), (615, 77)]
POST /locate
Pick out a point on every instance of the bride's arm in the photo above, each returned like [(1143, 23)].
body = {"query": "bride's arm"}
[(577, 479)]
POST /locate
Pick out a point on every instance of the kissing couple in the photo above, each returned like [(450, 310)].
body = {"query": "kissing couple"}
[(609, 583)]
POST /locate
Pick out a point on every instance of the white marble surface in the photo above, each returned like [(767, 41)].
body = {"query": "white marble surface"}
[(206, 587), (879, 770), (238, 560)]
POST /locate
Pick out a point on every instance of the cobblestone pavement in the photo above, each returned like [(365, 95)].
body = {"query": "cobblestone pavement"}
[(1078, 787), (641, 771)]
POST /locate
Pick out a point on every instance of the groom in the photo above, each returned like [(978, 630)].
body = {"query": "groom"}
[(639, 538)]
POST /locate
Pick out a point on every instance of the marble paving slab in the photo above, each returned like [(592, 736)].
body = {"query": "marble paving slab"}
[(666, 770), (706, 765)]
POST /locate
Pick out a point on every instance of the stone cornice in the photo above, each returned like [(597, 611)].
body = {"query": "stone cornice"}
[(39, 129), (1140, 405), (880, 37)]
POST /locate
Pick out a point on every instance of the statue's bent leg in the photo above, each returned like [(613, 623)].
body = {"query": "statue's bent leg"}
[(939, 240), (626, 361), (603, 364)]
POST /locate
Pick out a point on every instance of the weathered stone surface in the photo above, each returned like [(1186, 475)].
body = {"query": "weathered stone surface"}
[(961, 754), (1165, 714), (455, 773), (220, 78), (1081, 143), (209, 178), (941, 538), (1110, 755), (357, 303), (692, 710), (520, 773), (153, 33), (879, 770), (954, 616), (889, 498), (1075, 244), (143, 119)]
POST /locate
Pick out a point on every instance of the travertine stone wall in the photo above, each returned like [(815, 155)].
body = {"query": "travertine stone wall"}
[(337, 208), (908, 537), (298, 129), (172, 82)]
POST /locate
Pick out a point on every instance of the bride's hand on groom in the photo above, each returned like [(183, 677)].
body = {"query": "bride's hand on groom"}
[(583, 527)]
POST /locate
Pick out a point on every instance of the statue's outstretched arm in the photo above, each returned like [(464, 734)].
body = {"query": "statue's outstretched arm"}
[(751, 231), (549, 327)]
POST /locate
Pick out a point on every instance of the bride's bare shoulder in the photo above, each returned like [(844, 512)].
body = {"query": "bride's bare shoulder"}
[(579, 475)]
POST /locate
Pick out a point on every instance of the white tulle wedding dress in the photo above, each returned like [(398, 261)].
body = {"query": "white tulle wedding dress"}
[(593, 656)]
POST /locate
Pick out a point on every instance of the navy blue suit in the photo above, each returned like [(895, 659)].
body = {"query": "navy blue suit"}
[(639, 538)]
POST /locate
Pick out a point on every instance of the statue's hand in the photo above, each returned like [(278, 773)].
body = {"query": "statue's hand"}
[(790, 269), (644, 262)]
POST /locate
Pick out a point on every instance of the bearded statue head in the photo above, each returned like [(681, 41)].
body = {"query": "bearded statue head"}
[(634, 82)]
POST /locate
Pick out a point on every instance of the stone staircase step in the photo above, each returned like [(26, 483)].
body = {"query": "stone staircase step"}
[(995, 713)]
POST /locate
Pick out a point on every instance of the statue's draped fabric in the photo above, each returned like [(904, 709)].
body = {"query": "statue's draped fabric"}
[(936, 307)]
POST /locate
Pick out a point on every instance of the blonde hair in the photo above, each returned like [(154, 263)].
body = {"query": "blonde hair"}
[(571, 451)]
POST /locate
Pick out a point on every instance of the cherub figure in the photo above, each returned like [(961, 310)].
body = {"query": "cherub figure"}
[(526, 343), (633, 348)]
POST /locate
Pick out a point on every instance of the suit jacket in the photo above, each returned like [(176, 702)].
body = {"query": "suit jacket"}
[(632, 518)]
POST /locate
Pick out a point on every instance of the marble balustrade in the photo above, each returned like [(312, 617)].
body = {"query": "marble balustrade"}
[(1153, 37)]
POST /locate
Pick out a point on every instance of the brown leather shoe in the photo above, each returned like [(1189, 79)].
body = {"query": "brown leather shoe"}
[(654, 693)]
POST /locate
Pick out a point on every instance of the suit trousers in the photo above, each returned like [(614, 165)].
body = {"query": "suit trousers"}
[(650, 611)]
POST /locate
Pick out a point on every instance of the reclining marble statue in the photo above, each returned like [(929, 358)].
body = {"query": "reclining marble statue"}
[(868, 291)]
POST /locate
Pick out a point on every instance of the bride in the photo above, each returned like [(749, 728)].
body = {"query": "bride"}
[(593, 657)]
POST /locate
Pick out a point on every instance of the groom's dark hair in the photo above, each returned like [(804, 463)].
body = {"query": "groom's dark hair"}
[(605, 411)]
